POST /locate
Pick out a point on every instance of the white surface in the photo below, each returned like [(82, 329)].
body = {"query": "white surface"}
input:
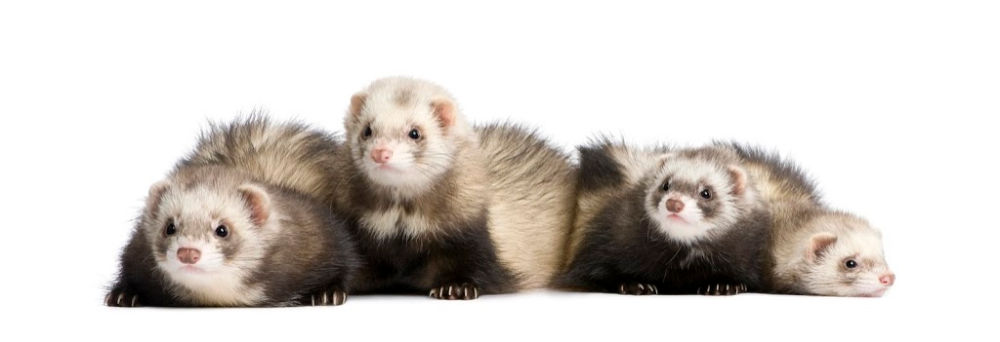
[(890, 105)]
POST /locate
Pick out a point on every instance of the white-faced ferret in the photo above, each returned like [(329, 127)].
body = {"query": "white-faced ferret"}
[(214, 233), (692, 223), (814, 250), (447, 209)]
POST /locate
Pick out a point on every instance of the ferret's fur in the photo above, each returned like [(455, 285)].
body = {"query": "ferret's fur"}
[(630, 246), (283, 245), (457, 211), (811, 243), (290, 155)]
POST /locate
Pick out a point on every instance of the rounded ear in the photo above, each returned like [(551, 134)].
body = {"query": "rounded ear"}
[(155, 196), (818, 244), (662, 159), (258, 201), (357, 104), (444, 110), (739, 178)]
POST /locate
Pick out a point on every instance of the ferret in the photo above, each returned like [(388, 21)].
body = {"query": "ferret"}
[(814, 250), (228, 227), (692, 223), (446, 208)]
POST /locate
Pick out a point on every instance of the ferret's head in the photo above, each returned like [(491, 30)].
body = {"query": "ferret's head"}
[(845, 258), (206, 235), (404, 133), (695, 194)]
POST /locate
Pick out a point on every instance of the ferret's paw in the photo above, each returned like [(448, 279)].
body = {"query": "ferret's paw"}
[(638, 289), (331, 297), (464, 291), (121, 299), (722, 289)]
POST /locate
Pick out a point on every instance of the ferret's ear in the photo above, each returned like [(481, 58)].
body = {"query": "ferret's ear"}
[(155, 196), (739, 178), (444, 111), (818, 244), (662, 159), (257, 201), (357, 104)]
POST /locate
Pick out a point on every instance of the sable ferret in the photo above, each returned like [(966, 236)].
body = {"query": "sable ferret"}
[(686, 221), (444, 208), (235, 225), (814, 249)]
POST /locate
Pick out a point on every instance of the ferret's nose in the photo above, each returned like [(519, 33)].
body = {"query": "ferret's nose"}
[(381, 155), (887, 279), (188, 255), (674, 206)]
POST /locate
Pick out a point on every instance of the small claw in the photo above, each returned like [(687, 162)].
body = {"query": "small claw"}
[(434, 293), (120, 297), (621, 288), (655, 289), (135, 299), (339, 297)]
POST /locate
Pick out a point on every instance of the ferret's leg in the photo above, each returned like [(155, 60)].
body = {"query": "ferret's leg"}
[(121, 296), (722, 289), (466, 266), (638, 289), (332, 296)]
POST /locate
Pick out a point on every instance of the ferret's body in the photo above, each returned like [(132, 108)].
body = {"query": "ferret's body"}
[(654, 236), (288, 155), (447, 208), (813, 250), (217, 232)]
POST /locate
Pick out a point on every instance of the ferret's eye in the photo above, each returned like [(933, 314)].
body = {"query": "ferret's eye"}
[(368, 132), (221, 231), (850, 263), (666, 186), (170, 229), (706, 194), (414, 134)]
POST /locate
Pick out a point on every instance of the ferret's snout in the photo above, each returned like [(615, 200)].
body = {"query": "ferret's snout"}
[(887, 279), (674, 206), (381, 155), (188, 255)]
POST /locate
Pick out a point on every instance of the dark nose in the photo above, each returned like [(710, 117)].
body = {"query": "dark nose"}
[(188, 255), (887, 279), (675, 206)]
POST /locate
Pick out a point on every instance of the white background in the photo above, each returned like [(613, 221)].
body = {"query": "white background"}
[(890, 105)]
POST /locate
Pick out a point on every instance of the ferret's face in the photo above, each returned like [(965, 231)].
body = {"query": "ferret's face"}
[(202, 238), (692, 198), (399, 145), (852, 264)]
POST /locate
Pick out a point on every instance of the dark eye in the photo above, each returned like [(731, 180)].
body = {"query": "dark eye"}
[(170, 229), (666, 186), (368, 132), (414, 134), (706, 194), (851, 263), (221, 231)]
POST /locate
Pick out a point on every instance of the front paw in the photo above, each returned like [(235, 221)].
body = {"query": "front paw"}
[(722, 289), (638, 289), (464, 291), (331, 297), (120, 298)]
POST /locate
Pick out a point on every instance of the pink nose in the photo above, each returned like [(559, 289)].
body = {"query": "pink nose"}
[(887, 279), (188, 255), (674, 206), (381, 155)]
